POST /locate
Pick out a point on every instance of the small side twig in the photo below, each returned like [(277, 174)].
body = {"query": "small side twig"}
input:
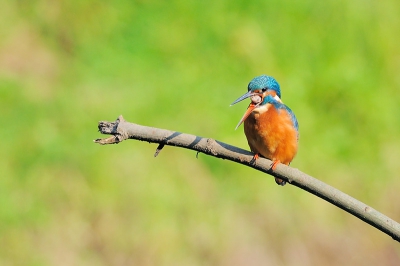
[(159, 148), (122, 130)]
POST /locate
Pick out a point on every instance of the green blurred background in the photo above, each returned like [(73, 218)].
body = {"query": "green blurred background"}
[(65, 65)]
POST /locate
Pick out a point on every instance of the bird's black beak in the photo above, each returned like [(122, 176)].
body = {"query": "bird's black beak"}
[(244, 96), (254, 103)]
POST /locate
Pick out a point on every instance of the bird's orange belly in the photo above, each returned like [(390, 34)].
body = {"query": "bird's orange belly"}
[(272, 135)]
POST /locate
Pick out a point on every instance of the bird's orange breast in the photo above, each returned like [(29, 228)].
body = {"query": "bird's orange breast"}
[(271, 133)]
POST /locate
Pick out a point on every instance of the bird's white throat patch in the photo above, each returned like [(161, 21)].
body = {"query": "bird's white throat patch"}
[(276, 97), (262, 108)]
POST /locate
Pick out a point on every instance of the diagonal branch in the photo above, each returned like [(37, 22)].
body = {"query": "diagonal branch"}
[(122, 130)]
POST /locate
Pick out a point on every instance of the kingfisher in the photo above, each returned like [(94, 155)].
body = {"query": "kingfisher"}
[(271, 128)]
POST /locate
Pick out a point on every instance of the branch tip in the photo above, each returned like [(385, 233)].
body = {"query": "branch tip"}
[(109, 140)]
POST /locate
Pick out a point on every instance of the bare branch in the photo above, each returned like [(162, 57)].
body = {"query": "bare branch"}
[(122, 130)]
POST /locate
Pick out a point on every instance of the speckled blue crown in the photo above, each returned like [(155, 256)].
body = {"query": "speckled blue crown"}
[(264, 81)]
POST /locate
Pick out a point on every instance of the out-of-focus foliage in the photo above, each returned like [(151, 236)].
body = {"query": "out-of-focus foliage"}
[(64, 65)]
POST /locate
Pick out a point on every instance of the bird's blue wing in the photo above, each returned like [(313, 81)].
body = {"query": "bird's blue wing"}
[(292, 116), (294, 120)]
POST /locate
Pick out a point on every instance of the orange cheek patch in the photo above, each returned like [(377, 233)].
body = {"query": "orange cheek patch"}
[(270, 92)]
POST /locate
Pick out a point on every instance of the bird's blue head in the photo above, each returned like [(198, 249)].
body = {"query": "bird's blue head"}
[(259, 89), (265, 83)]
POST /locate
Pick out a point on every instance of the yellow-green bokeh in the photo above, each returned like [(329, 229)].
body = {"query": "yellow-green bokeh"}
[(65, 65)]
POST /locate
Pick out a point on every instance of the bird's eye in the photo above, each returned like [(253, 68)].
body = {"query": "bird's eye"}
[(264, 89)]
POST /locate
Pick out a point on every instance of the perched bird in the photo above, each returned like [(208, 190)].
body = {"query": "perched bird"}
[(271, 128)]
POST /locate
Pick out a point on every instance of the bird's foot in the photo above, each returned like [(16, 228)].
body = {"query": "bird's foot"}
[(274, 164), (255, 157)]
